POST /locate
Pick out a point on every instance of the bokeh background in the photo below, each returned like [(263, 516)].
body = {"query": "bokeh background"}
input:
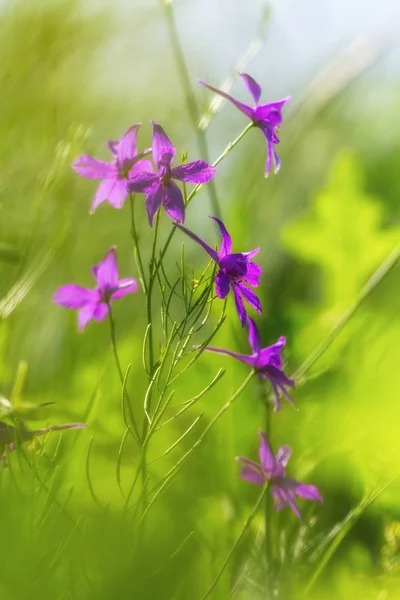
[(75, 74)]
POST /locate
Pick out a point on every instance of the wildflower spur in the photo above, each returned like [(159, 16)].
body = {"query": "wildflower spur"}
[(235, 270)]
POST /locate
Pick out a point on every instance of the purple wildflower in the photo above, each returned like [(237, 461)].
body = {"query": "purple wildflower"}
[(127, 161), (95, 304), (267, 117), (159, 187), (235, 270), (267, 363), (272, 469)]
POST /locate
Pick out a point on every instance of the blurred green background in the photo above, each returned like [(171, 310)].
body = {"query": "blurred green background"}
[(75, 74)]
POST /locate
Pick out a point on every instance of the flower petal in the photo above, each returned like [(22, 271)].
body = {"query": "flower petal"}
[(163, 150), (195, 172), (226, 246), (74, 296), (141, 166), (91, 168), (254, 336), (173, 202), (253, 273), (221, 284), (292, 503), (252, 86), (266, 455), (271, 354), (106, 271), (249, 360), (251, 473), (101, 311), (283, 455), (247, 110), (153, 201), (125, 286), (250, 297), (142, 181), (102, 194), (271, 112), (214, 255), (126, 149), (85, 315), (241, 311), (113, 190), (279, 496), (304, 490)]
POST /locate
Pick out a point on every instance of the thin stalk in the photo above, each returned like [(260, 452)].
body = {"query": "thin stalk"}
[(190, 98), (268, 498), (136, 248), (120, 372)]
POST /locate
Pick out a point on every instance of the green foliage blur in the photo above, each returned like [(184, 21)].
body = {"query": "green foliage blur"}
[(72, 76)]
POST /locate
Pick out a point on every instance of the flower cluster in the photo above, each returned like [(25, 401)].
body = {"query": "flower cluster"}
[(130, 172)]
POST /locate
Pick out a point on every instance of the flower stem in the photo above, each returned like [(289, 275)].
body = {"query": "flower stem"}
[(190, 100), (120, 372), (136, 249), (268, 498)]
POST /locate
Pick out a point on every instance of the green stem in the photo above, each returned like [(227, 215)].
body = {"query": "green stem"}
[(136, 248), (120, 372), (190, 101), (265, 398)]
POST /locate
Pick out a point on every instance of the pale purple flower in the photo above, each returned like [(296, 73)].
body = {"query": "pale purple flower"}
[(267, 363), (160, 187), (126, 162), (272, 469), (235, 270), (95, 304), (266, 117)]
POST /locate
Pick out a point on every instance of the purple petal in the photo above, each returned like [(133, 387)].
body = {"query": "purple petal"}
[(239, 306), (141, 166), (277, 162), (74, 296), (250, 254), (195, 172), (126, 149), (279, 496), (304, 490), (271, 112), (270, 154), (266, 455), (214, 255), (153, 202), (112, 145), (292, 503), (254, 336), (142, 182), (91, 168), (101, 311), (106, 271), (253, 273), (113, 190), (251, 473), (250, 297), (226, 246), (271, 354), (252, 86), (247, 110), (125, 286), (249, 360), (173, 202), (85, 315), (163, 150), (221, 284), (283, 455)]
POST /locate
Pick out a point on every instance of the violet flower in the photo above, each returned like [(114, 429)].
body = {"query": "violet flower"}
[(159, 187), (235, 270), (266, 117), (267, 363), (126, 162), (272, 469), (95, 304)]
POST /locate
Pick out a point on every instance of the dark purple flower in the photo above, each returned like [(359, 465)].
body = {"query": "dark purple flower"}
[(267, 117), (127, 161), (95, 304), (267, 362), (159, 187), (272, 469), (235, 270)]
